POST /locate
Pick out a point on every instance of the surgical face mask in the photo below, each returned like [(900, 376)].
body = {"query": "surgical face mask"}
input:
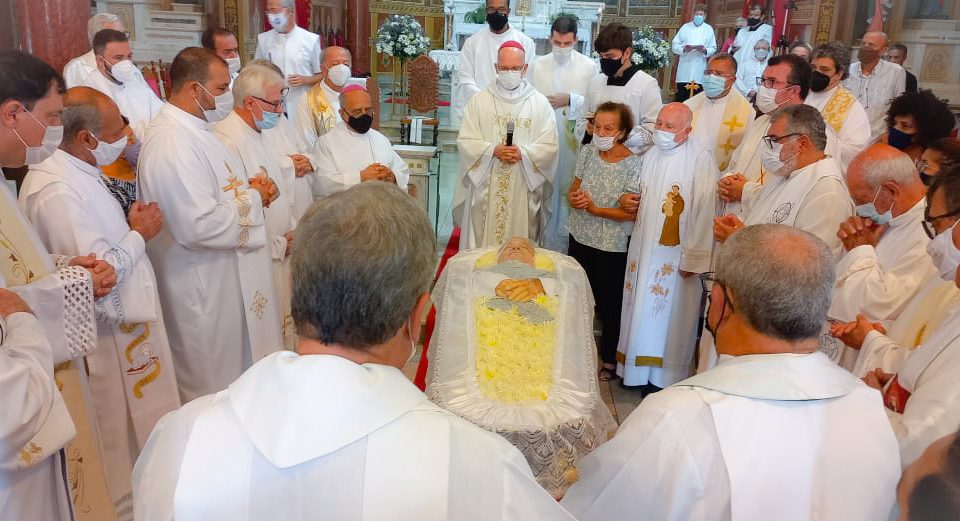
[(278, 21), (698, 20), (819, 81), (497, 21), (869, 211), (898, 139), (714, 85), (223, 105), (52, 136), (770, 160), (665, 140), (360, 124), (509, 80), (562, 54), (610, 66), (944, 253), (339, 74), (767, 99), (760, 54), (233, 64), (123, 71), (268, 120), (604, 143), (107, 153)]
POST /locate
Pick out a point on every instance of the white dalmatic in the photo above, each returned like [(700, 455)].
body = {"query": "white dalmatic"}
[(763, 436), (259, 451), (251, 152), (212, 259), (879, 281), (285, 142), (135, 99), (295, 52), (342, 153), (494, 200), (640, 92), (130, 374), (673, 233), (478, 56), (843, 113), (552, 74)]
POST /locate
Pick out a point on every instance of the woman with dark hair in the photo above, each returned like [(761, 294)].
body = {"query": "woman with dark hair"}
[(915, 120), (940, 156), (599, 228)]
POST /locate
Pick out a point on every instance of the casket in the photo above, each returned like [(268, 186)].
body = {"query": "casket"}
[(533, 381)]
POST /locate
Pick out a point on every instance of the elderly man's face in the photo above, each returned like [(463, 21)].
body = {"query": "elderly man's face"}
[(801, 51), (511, 59), (875, 42), (517, 249), (272, 101), (675, 118), (336, 56), (226, 46), (355, 104)]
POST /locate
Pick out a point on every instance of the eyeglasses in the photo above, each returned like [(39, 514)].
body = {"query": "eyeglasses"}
[(358, 113), (770, 140), (928, 221), (277, 107), (770, 82), (501, 10)]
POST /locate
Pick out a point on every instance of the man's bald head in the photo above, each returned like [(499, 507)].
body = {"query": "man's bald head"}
[(877, 37), (356, 100), (334, 55), (678, 114), (91, 110), (511, 59), (885, 176)]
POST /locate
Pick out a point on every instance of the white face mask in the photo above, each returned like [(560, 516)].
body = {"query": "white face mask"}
[(224, 106), (562, 54), (509, 80), (604, 143), (233, 64), (107, 153), (770, 160), (767, 99), (124, 71), (52, 136), (945, 255), (278, 21), (760, 54), (665, 140), (339, 74)]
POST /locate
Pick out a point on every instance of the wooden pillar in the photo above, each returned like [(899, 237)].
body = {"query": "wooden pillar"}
[(53, 30), (358, 35), (686, 12)]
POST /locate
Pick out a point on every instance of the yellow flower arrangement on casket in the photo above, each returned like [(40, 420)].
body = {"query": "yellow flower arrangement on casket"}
[(515, 355)]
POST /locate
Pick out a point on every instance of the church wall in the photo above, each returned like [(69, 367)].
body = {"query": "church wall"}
[(428, 12)]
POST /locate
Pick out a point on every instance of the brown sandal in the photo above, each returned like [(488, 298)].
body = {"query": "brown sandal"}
[(606, 374)]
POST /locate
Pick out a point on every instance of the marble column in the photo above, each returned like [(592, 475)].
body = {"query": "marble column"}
[(54, 30), (358, 35)]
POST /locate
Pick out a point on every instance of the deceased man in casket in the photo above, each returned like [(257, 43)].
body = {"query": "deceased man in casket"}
[(514, 353)]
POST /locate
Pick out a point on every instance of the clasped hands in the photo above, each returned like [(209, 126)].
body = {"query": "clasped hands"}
[(266, 187), (103, 275), (377, 172), (301, 165), (855, 333), (730, 188), (857, 231), (145, 219), (507, 153), (520, 290)]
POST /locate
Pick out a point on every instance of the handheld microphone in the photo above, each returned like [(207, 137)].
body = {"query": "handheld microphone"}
[(510, 133)]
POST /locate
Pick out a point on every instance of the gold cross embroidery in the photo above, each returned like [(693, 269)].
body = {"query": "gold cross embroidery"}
[(692, 87), (234, 185), (728, 147), (733, 124)]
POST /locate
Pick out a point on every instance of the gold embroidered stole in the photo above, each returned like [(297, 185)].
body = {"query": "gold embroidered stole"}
[(736, 118), (836, 110), (321, 110), (23, 260)]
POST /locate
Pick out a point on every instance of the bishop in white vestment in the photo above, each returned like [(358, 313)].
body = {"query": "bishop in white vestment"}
[(337, 431), (212, 259), (504, 190), (294, 49), (478, 56), (352, 152), (563, 72), (775, 431), (671, 244)]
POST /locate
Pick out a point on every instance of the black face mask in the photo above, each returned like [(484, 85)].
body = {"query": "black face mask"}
[(926, 179), (819, 81), (753, 22), (898, 139), (610, 66), (496, 21), (723, 309), (360, 124)]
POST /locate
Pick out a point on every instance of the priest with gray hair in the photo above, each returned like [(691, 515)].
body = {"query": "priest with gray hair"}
[(335, 430), (257, 105), (775, 431)]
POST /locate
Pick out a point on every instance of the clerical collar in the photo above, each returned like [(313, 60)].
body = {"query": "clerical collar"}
[(620, 81)]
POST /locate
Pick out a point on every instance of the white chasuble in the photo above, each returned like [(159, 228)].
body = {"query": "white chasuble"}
[(550, 76), (720, 124), (478, 56), (673, 233), (843, 113), (285, 142), (494, 200), (380, 452), (342, 153), (251, 151), (813, 198), (135, 99), (61, 298), (879, 281), (212, 259), (131, 375)]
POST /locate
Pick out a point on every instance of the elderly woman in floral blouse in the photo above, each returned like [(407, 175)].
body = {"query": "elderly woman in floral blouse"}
[(599, 228)]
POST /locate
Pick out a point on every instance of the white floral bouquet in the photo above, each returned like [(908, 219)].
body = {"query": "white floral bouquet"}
[(401, 36), (650, 50)]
